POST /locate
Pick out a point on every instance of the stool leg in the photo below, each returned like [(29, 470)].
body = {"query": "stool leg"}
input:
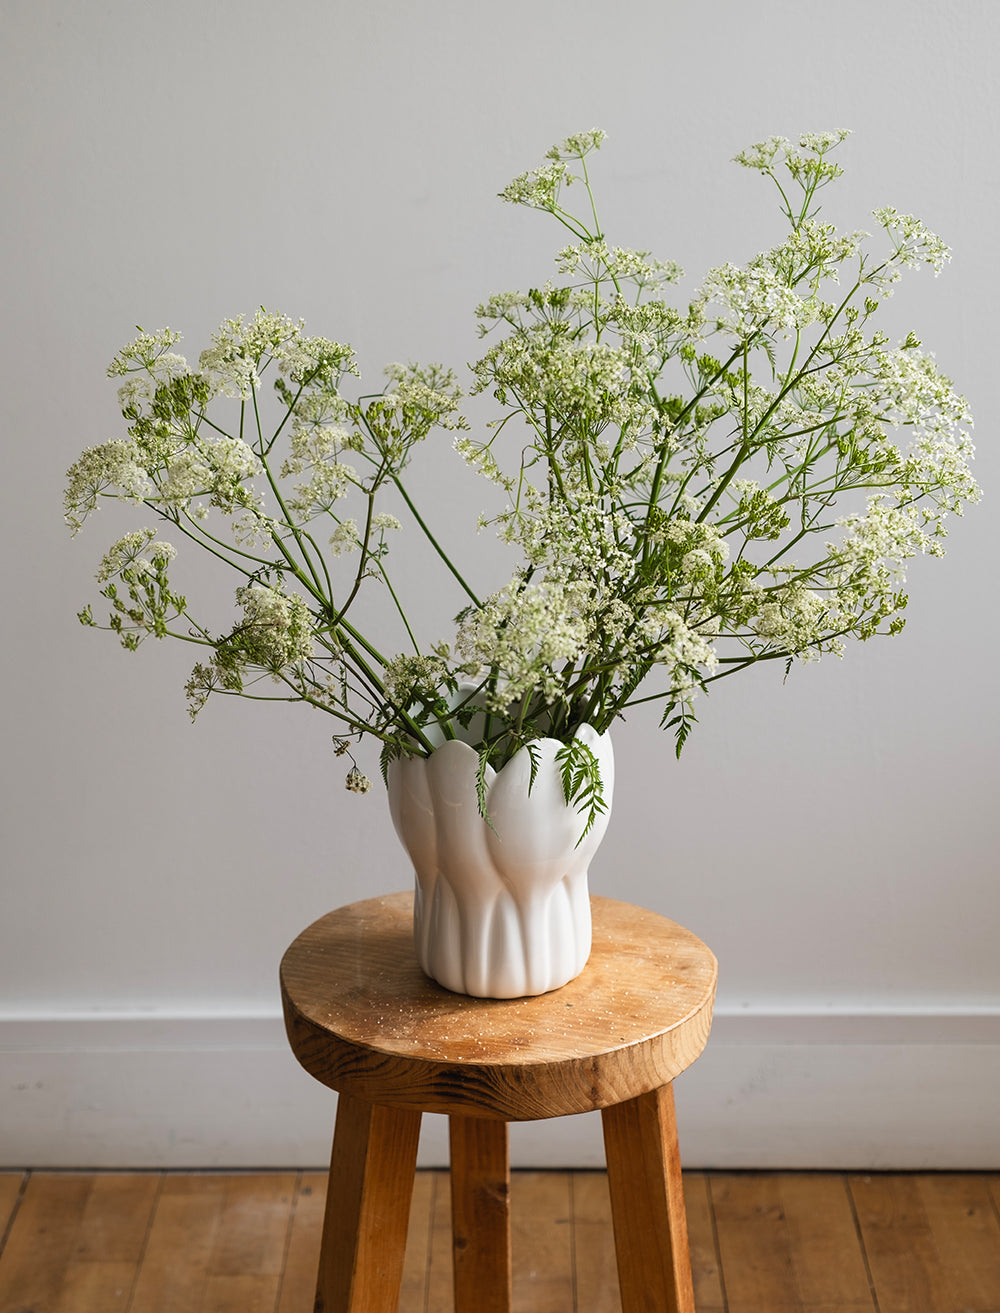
[(647, 1204), (480, 1215), (367, 1208)]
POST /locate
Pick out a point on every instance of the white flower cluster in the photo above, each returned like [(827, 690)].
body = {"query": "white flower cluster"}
[(136, 552), (276, 630), (763, 155), (407, 673), (794, 618), (577, 145), (686, 654), (590, 541), (884, 538), (238, 348), (168, 459), (114, 465), (216, 470), (598, 260), (139, 390), (526, 631), (308, 360), (583, 603), (911, 390), (540, 187), (149, 354), (315, 449), (345, 537), (937, 467), (480, 457), (757, 295), (542, 370), (356, 782), (914, 243)]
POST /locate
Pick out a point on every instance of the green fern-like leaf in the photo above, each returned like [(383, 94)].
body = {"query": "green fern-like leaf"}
[(482, 785), (682, 725), (533, 756), (390, 752), (582, 785)]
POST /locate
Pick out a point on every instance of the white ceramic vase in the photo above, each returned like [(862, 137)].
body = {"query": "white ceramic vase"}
[(501, 910)]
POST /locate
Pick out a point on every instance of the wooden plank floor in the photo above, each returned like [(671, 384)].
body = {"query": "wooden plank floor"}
[(149, 1242)]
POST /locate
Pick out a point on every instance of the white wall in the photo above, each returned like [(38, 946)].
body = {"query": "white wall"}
[(835, 840)]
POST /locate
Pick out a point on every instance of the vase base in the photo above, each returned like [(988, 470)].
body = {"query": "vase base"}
[(498, 947)]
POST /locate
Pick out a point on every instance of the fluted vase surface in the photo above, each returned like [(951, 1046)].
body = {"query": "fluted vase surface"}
[(502, 907)]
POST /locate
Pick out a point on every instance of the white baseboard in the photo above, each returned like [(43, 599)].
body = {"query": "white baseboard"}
[(774, 1089)]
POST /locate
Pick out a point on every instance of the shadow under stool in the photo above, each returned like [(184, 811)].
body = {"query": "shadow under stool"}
[(363, 1019)]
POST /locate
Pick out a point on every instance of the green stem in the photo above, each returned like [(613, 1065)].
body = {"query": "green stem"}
[(317, 588), (399, 607), (203, 533), (361, 565), (234, 565), (433, 541)]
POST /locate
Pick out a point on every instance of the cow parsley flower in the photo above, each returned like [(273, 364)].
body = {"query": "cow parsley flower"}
[(113, 469), (914, 243), (149, 353), (345, 537), (136, 551), (240, 348), (356, 782), (276, 629)]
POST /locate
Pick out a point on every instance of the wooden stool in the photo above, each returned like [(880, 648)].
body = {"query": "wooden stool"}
[(363, 1019)]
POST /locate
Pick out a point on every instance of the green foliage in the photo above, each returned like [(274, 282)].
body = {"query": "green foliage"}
[(483, 784), (582, 786), (681, 723), (534, 759)]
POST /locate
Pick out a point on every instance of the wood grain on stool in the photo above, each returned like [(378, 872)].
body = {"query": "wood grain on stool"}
[(363, 1018), (647, 1204), (480, 1214), (367, 1208)]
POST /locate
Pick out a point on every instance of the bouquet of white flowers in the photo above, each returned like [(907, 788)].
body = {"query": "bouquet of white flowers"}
[(674, 483)]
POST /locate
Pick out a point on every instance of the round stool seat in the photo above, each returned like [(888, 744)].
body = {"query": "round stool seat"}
[(363, 1019)]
